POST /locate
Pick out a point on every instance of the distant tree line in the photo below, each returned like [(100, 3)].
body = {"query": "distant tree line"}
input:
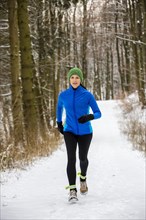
[(42, 39)]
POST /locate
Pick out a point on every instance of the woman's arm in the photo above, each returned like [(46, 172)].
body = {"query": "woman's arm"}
[(59, 109), (93, 104), (96, 111)]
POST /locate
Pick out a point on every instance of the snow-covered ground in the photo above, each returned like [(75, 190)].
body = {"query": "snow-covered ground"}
[(116, 180)]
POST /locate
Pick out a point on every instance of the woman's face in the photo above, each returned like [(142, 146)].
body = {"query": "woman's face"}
[(75, 81)]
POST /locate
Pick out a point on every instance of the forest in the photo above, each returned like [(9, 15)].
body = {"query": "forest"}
[(40, 40)]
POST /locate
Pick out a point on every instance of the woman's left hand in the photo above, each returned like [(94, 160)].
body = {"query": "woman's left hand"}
[(85, 118)]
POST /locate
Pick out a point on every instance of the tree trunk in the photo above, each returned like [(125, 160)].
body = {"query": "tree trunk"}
[(15, 72), (118, 50), (84, 42), (144, 47), (41, 78), (143, 50), (27, 72), (75, 50), (108, 83)]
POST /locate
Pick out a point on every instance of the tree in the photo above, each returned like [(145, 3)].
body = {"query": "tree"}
[(17, 111), (84, 40), (27, 74), (136, 16)]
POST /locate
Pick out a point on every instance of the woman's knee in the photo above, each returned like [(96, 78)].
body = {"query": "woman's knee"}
[(84, 161)]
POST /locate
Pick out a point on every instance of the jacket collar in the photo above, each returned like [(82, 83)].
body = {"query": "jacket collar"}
[(77, 89)]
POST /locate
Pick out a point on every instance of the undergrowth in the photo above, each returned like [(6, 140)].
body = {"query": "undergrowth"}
[(134, 122)]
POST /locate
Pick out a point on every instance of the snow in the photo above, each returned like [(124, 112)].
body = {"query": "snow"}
[(116, 180)]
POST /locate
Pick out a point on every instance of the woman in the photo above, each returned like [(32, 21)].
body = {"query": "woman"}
[(77, 129)]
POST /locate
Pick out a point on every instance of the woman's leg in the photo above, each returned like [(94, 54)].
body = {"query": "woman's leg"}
[(84, 144), (71, 146)]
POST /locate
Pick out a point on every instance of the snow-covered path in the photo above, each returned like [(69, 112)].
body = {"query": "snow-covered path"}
[(116, 180)]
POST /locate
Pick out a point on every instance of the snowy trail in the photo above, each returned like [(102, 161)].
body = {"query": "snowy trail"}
[(116, 180)]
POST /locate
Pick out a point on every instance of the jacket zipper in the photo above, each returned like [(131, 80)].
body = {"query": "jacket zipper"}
[(74, 108)]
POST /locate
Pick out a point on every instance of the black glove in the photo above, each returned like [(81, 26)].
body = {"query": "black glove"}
[(86, 118), (60, 127)]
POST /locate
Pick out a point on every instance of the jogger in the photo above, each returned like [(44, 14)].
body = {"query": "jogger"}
[(77, 129)]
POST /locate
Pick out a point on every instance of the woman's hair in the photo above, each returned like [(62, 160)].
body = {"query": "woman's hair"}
[(82, 86)]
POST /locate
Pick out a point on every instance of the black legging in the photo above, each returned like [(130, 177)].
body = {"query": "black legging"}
[(83, 142)]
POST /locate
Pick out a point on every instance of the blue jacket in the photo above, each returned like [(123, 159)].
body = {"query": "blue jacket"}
[(77, 103)]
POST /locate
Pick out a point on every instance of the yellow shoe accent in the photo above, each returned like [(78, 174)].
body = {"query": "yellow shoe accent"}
[(70, 187), (82, 177)]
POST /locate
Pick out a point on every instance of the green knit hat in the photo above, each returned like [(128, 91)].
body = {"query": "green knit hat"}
[(75, 71)]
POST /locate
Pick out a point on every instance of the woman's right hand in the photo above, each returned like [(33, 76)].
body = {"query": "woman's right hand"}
[(60, 127)]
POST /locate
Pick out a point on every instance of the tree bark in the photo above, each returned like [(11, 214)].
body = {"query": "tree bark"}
[(27, 73), (84, 42), (15, 72)]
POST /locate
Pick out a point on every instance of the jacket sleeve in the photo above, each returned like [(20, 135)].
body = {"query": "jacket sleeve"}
[(94, 107), (59, 109)]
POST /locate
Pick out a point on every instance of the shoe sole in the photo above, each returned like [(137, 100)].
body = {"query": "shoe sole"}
[(84, 193), (73, 200)]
